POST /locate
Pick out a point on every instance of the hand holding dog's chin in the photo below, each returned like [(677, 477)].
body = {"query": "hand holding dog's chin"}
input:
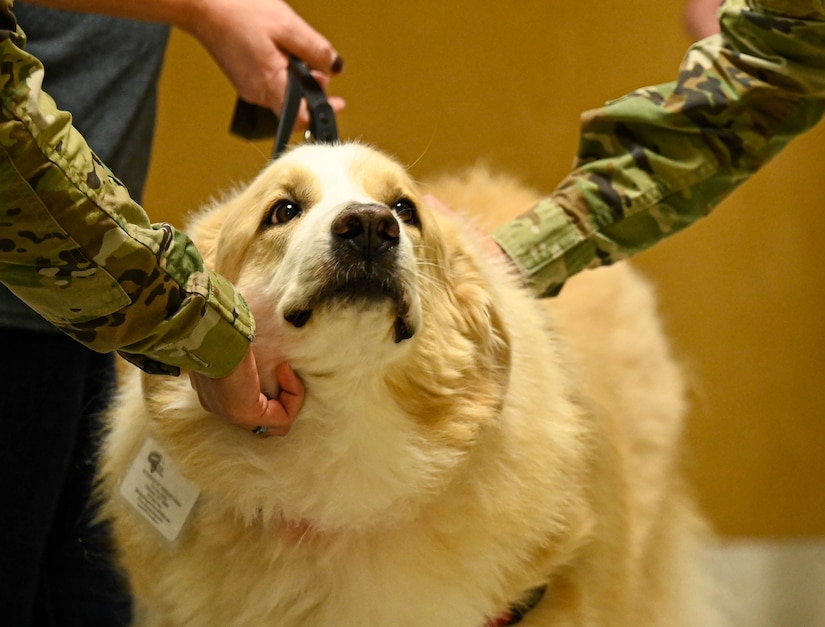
[(238, 398)]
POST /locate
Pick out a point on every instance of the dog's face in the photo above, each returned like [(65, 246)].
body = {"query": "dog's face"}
[(326, 247), (382, 308)]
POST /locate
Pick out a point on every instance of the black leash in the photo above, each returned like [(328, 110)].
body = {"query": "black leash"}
[(302, 85), (254, 122)]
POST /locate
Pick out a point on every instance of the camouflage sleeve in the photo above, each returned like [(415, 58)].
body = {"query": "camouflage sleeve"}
[(81, 252), (655, 161)]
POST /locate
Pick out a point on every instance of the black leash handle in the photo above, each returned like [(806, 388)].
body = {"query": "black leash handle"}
[(302, 85), (254, 122)]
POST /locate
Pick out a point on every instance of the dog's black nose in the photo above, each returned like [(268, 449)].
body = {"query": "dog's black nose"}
[(368, 229)]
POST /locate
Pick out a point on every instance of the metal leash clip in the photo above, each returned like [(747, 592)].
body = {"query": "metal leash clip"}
[(254, 122)]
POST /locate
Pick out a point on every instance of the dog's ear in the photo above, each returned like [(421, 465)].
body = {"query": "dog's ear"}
[(204, 229), (473, 284), (224, 221), (463, 348)]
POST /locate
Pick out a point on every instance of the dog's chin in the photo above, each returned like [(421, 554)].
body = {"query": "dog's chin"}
[(359, 293)]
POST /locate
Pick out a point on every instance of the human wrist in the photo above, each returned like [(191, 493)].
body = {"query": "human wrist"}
[(188, 15), (174, 12)]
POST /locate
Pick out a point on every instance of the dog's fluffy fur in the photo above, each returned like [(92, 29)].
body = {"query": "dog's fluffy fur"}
[(458, 446)]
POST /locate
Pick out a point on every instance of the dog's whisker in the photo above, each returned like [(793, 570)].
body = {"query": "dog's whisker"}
[(435, 282), (422, 153)]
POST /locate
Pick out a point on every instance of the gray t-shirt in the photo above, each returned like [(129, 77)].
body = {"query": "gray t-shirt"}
[(105, 72)]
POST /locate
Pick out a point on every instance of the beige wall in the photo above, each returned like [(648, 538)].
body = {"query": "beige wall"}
[(441, 84)]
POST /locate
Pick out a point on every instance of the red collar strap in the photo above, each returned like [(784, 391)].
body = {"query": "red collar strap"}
[(517, 612)]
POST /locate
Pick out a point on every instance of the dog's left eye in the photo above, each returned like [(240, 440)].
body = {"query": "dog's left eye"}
[(405, 209), (284, 210)]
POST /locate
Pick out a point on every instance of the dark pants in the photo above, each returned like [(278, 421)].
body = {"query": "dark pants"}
[(55, 565)]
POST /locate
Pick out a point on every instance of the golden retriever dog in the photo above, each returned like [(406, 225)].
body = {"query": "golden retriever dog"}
[(466, 456)]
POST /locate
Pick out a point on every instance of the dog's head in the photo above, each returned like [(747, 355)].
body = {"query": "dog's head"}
[(335, 249), (383, 307)]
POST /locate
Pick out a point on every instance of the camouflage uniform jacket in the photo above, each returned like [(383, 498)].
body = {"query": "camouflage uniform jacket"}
[(80, 251), (655, 161)]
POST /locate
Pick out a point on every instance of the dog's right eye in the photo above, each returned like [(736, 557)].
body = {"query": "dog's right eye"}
[(405, 210), (283, 211)]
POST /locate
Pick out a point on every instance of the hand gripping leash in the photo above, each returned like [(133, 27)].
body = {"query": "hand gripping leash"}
[(254, 122), (302, 84)]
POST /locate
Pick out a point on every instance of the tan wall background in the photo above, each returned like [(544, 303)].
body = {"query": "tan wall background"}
[(441, 84)]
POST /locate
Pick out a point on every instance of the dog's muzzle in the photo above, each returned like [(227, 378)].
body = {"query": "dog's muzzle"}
[(364, 247)]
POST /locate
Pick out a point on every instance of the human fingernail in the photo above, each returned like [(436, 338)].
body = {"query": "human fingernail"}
[(337, 65)]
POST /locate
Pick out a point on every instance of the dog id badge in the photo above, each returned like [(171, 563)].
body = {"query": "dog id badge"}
[(158, 491)]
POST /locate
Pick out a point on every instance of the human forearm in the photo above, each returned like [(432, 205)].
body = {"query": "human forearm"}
[(655, 161), (175, 12), (250, 40), (77, 249)]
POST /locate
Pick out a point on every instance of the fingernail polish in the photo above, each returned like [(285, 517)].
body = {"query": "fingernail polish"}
[(337, 65)]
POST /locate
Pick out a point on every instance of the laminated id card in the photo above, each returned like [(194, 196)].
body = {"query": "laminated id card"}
[(155, 487)]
